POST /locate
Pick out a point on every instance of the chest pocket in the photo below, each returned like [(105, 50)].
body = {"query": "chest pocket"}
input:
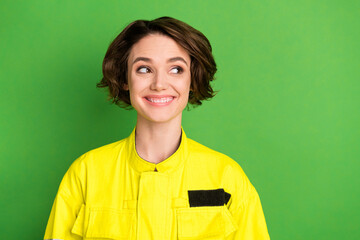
[(99, 223), (204, 223)]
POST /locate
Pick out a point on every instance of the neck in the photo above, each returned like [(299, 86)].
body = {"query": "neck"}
[(155, 142)]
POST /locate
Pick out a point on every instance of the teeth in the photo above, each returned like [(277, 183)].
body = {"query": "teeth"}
[(160, 100)]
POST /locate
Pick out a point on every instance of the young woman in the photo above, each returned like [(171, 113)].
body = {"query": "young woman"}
[(157, 183)]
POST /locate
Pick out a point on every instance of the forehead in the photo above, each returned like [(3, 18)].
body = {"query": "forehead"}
[(157, 47)]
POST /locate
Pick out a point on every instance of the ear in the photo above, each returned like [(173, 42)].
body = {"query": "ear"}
[(126, 87)]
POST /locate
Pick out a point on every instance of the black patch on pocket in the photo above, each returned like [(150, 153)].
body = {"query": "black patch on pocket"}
[(227, 197), (214, 197)]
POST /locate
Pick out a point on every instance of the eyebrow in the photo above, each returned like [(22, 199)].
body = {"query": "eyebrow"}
[(174, 59)]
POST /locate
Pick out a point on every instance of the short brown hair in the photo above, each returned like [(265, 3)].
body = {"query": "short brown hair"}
[(202, 68)]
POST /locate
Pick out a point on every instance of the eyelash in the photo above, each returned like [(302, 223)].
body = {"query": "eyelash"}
[(138, 69), (180, 69)]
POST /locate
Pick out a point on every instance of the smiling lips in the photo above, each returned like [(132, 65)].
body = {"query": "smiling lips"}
[(159, 100)]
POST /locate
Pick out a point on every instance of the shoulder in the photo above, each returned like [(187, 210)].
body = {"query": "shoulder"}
[(75, 180), (107, 151), (207, 155), (97, 158), (233, 176)]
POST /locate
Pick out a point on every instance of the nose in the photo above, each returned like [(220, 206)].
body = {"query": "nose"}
[(159, 82)]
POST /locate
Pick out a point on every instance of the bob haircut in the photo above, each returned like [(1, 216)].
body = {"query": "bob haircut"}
[(202, 68)]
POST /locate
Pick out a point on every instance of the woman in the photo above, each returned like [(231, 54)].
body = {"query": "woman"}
[(157, 183)]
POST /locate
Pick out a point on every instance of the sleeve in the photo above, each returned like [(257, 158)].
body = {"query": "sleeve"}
[(67, 204), (246, 210)]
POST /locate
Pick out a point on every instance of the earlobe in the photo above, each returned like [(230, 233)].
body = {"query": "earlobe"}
[(126, 87)]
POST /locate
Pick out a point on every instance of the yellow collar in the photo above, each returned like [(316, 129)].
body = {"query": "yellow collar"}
[(170, 164)]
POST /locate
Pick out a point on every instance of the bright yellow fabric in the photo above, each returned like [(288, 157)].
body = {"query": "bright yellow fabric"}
[(112, 193)]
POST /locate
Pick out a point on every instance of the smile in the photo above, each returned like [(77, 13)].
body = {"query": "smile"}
[(159, 101)]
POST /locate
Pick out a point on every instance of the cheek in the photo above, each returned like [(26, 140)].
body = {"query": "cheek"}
[(134, 89), (135, 85), (183, 88), (186, 84)]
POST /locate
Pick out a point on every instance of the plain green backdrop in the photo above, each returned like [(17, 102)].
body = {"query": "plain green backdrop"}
[(288, 107)]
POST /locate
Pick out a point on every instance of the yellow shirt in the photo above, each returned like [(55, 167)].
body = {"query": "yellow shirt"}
[(197, 193)]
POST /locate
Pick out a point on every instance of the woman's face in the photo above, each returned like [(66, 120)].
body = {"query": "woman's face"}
[(158, 78)]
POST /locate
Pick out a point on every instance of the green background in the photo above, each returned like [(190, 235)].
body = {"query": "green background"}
[(288, 107)]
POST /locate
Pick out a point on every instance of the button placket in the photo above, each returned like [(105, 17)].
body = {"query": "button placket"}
[(153, 205)]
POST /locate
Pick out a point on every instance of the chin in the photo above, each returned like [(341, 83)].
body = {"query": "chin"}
[(159, 114), (160, 117)]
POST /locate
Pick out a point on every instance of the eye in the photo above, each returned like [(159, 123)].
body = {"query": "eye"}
[(143, 69), (177, 70)]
